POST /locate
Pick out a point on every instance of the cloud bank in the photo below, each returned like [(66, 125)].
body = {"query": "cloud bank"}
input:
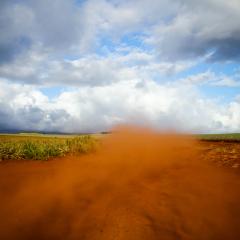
[(117, 62)]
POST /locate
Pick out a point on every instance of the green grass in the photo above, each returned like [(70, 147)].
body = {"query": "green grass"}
[(38, 147), (231, 137)]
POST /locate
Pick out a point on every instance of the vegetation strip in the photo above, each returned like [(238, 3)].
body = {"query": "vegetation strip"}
[(231, 137), (35, 148)]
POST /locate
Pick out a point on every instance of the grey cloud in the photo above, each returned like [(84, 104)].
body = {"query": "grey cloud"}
[(25, 108), (6, 117), (54, 25), (201, 28), (226, 49), (9, 50), (12, 39), (190, 47), (57, 23), (32, 118)]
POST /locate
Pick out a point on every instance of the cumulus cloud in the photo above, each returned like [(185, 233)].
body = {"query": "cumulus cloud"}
[(91, 109), (26, 108)]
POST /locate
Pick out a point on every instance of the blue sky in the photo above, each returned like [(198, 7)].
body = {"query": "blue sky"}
[(77, 66)]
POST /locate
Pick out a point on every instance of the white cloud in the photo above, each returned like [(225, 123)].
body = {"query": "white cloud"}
[(100, 107), (35, 67), (26, 108)]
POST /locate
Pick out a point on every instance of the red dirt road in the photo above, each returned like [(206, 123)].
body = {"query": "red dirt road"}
[(140, 185)]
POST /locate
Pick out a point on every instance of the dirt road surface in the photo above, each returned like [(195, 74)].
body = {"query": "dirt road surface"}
[(139, 185)]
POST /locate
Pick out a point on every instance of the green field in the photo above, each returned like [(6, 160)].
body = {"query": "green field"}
[(229, 137), (43, 146)]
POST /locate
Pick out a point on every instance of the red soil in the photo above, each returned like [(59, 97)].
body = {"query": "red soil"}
[(140, 185), (225, 154)]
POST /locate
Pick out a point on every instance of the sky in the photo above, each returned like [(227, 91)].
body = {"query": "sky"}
[(88, 65)]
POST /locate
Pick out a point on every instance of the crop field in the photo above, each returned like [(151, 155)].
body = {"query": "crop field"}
[(42, 146), (232, 137)]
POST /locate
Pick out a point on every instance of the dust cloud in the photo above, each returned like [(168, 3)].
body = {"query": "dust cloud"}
[(139, 185)]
